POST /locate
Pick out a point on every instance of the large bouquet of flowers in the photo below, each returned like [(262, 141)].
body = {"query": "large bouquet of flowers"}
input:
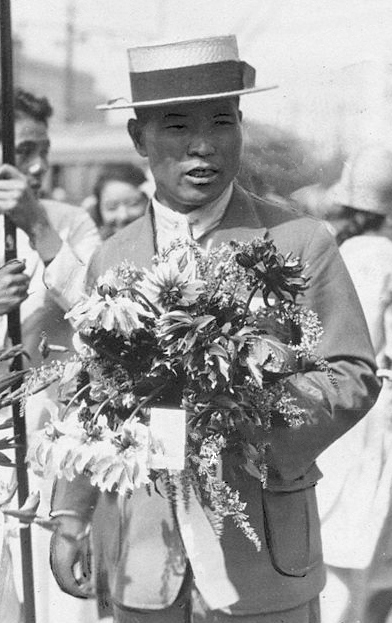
[(212, 338)]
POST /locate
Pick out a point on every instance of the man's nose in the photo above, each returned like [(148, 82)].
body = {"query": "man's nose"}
[(122, 213), (201, 145), (38, 166)]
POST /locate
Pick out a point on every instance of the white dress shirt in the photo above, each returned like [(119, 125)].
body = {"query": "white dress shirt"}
[(171, 225)]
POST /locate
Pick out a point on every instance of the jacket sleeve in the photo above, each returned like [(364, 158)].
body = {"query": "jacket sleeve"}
[(78, 496), (65, 276), (331, 408)]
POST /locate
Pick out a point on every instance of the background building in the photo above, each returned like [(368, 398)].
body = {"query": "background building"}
[(331, 60)]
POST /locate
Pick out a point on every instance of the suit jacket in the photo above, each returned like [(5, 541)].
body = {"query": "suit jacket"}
[(141, 544)]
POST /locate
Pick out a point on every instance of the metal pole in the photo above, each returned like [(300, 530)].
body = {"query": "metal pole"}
[(69, 82), (14, 327)]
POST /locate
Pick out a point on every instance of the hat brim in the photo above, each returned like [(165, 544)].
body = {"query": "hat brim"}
[(122, 102), (338, 196)]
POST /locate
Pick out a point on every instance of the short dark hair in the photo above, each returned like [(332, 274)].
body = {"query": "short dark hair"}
[(358, 222), (26, 103)]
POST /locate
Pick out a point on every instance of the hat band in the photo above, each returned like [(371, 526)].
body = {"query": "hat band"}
[(193, 80)]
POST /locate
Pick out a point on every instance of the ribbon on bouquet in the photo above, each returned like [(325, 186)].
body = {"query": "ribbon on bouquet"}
[(168, 433), (205, 553)]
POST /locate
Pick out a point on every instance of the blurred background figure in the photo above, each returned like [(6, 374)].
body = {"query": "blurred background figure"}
[(51, 235), (355, 494), (54, 242), (320, 201), (119, 197)]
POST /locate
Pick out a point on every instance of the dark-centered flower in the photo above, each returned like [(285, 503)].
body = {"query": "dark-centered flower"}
[(277, 274)]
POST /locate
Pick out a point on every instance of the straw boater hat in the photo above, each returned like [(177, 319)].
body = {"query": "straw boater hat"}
[(366, 182), (186, 71)]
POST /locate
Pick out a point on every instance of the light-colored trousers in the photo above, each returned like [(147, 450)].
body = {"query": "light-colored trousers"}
[(182, 612)]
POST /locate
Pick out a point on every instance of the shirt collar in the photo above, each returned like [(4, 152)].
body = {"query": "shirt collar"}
[(196, 224)]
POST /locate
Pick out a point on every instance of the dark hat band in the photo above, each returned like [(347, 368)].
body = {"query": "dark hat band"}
[(195, 80)]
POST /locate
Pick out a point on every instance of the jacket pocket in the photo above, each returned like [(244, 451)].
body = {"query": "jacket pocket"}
[(292, 530)]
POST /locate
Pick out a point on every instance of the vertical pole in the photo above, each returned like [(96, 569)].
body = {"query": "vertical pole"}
[(14, 328), (69, 82)]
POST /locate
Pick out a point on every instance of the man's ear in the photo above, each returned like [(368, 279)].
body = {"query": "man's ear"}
[(135, 131)]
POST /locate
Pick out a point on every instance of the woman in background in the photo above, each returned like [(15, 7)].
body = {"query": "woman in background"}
[(354, 497), (119, 198)]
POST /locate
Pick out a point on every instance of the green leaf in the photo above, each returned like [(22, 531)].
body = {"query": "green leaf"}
[(203, 321), (8, 380), (282, 356), (11, 353), (7, 444), (5, 461)]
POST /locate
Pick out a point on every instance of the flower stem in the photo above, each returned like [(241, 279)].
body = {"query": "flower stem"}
[(143, 296), (103, 405), (146, 400), (248, 302), (74, 398), (145, 299)]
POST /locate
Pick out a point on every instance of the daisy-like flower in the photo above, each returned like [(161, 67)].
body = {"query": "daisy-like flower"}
[(122, 467), (167, 285), (107, 308)]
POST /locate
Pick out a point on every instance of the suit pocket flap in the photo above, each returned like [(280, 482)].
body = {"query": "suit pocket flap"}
[(288, 524)]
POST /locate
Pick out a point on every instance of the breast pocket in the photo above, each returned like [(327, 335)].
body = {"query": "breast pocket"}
[(292, 531)]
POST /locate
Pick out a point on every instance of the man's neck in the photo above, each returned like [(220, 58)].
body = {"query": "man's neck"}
[(196, 224), (188, 210)]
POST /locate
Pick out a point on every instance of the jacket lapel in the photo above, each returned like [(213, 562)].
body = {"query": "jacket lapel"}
[(240, 221), (141, 247)]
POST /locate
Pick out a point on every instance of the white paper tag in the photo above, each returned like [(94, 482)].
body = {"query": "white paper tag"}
[(168, 436)]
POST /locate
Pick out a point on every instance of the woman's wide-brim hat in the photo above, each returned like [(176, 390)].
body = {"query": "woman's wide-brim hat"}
[(366, 182), (186, 71)]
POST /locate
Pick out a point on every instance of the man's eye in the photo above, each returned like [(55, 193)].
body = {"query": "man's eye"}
[(175, 126), (223, 122), (24, 150)]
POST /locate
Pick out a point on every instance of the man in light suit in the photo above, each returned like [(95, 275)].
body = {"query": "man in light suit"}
[(56, 241), (188, 124)]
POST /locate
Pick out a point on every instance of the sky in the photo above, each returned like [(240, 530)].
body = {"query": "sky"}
[(288, 41)]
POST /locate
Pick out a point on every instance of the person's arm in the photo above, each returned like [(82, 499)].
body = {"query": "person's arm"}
[(14, 285), (82, 239), (18, 202), (331, 408), (72, 506), (65, 260)]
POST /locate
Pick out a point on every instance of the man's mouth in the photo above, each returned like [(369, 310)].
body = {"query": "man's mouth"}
[(202, 174), (35, 187)]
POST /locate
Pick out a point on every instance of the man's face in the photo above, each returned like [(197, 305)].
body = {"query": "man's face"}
[(31, 150), (194, 150)]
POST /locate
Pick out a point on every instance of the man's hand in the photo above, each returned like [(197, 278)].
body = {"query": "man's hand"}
[(70, 557), (17, 201), (14, 284)]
